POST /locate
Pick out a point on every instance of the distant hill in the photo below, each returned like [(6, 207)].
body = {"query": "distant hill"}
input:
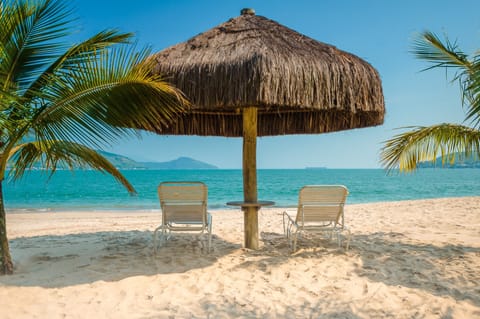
[(179, 163), (126, 163), (123, 162), (461, 161)]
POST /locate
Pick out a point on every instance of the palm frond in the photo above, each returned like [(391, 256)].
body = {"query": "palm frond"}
[(7, 99), (473, 112), (404, 151), (51, 154), (429, 47), (105, 99), (34, 39), (75, 55)]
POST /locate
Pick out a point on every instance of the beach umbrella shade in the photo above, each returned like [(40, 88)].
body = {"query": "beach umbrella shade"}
[(252, 76)]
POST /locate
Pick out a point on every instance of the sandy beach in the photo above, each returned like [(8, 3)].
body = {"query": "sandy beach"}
[(408, 259)]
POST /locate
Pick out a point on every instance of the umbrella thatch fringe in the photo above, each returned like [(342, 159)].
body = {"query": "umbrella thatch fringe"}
[(318, 84), (228, 123)]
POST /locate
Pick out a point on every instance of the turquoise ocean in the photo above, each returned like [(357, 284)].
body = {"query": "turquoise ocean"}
[(91, 190)]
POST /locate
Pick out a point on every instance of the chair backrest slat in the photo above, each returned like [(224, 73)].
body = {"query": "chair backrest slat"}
[(183, 202), (321, 213), (321, 203)]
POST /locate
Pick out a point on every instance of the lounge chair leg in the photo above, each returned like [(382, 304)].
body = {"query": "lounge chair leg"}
[(294, 246), (209, 232), (155, 239), (163, 236), (210, 236), (209, 242), (348, 239)]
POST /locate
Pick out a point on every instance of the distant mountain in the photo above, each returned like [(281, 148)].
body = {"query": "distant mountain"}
[(179, 163), (123, 162), (126, 163), (461, 161)]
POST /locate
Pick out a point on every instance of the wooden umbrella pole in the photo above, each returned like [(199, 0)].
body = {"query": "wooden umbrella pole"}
[(250, 176)]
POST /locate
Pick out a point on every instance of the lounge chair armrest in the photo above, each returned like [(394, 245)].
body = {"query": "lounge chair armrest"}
[(288, 220), (289, 214)]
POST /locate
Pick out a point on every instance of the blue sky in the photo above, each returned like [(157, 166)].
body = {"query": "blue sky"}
[(379, 31)]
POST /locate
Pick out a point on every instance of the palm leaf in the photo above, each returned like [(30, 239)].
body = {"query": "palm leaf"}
[(35, 29), (54, 153), (406, 150), (75, 55), (430, 48), (473, 113), (98, 102)]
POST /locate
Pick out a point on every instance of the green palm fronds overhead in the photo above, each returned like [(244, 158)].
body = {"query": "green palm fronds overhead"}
[(406, 150)]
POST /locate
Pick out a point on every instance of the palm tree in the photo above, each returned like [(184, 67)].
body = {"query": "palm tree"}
[(58, 103), (406, 150)]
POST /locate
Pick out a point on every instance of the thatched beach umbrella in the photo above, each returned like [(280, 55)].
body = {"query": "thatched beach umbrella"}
[(251, 76)]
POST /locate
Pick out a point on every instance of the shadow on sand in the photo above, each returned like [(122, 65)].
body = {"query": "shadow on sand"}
[(60, 261), (387, 257), (393, 259), (447, 270)]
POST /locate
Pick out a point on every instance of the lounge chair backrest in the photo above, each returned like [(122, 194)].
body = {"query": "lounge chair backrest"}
[(183, 202), (320, 210), (321, 203)]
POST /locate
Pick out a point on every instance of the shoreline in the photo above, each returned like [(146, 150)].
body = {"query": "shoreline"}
[(29, 210), (407, 259)]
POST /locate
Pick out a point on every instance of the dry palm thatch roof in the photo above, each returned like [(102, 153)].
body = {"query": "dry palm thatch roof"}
[(298, 84)]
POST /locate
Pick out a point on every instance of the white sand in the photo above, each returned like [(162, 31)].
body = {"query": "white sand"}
[(410, 259)]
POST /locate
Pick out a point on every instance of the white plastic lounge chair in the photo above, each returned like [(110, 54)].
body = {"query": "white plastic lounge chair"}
[(320, 210), (184, 208)]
